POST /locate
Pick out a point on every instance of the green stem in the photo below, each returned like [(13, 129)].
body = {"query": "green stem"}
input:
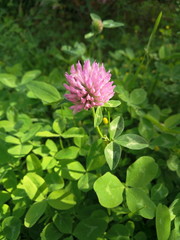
[(160, 125), (109, 118), (147, 48), (99, 131), (151, 89), (97, 128), (139, 68), (61, 142)]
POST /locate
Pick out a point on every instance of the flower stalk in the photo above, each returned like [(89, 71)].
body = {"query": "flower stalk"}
[(97, 128)]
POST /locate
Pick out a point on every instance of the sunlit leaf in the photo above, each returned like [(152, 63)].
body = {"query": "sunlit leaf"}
[(141, 172), (112, 24), (44, 91), (8, 80), (116, 127), (35, 186), (109, 190), (112, 154), (30, 75), (131, 141), (139, 203)]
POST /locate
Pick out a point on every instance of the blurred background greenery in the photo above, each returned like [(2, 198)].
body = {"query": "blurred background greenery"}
[(34, 31), (49, 35)]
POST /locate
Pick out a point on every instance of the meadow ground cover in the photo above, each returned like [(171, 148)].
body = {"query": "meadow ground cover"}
[(89, 120)]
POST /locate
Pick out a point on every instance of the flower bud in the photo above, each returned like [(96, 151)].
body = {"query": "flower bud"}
[(156, 148), (105, 121), (97, 26)]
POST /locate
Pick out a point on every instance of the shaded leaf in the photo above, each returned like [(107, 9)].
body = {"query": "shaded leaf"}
[(50, 232), (163, 222), (92, 228), (95, 158), (64, 223), (86, 182), (34, 213), (137, 96), (11, 227)]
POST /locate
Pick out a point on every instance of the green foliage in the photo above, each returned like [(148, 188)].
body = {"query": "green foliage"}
[(109, 190), (106, 174), (11, 227), (112, 154), (44, 91), (141, 172), (163, 222), (34, 213)]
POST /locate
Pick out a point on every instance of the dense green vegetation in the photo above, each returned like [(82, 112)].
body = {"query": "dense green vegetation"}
[(59, 178)]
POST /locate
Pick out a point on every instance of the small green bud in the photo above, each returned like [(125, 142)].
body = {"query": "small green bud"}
[(97, 26)]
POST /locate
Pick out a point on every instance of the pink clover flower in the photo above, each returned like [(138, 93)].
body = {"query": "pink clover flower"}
[(89, 86)]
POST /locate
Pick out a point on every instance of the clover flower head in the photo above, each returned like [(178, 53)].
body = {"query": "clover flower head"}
[(89, 86)]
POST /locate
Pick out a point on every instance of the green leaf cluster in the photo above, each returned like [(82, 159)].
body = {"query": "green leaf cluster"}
[(108, 175)]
